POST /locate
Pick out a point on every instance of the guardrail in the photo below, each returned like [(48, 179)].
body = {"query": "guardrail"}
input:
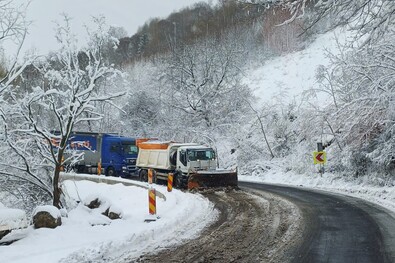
[(107, 180)]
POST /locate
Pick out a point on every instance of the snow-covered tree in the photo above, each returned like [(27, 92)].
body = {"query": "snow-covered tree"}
[(142, 109), (39, 123), (371, 19), (13, 28), (204, 82)]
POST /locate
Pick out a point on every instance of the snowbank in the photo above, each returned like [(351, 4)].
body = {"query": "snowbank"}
[(87, 236), (12, 218)]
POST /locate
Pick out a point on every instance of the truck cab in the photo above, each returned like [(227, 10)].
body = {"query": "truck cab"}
[(195, 158), (119, 155)]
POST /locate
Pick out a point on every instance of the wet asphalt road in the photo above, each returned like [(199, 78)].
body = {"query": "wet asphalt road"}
[(337, 228)]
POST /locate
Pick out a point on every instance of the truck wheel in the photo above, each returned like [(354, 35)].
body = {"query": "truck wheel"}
[(79, 169), (110, 171), (178, 181), (144, 175)]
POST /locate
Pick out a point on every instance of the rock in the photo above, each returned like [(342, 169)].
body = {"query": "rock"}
[(95, 203), (113, 215), (115, 212), (47, 217), (103, 206), (105, 213)]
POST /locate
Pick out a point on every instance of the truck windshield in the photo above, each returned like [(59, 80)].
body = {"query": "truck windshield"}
[(129, 148), (200, 155)]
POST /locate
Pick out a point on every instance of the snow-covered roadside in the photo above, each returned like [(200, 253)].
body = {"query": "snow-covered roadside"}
[(288, 77), (182, 215), (383, 196)]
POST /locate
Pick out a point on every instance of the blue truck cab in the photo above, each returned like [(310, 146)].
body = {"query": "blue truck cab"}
[(116, 155), (119, 155)]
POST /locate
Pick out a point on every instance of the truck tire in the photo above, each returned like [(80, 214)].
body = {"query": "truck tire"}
[(110, 171), (178, 181), (154, 177), (79, 169), (143, 176)]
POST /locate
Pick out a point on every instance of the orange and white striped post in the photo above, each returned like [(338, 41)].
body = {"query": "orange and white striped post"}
[(99, 168), (152, 201), (150, 175), (170, 182)]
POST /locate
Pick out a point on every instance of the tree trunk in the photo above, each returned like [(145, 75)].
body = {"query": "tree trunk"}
[(57, 191), (56, 188)]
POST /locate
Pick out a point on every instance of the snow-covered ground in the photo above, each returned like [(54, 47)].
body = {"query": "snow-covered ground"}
[(86, 236), (11, 218), (182, 215)]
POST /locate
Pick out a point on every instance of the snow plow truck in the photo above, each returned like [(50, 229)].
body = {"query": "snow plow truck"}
[(194, 166)]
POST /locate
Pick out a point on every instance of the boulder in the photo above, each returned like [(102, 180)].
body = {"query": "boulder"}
[(102, 205), (113, 215), (47, 217), (93, 204)]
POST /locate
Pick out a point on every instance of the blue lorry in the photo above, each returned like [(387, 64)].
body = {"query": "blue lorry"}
[(116, 155)]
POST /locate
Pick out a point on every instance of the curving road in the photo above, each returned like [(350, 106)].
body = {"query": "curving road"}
[(278, 224), (338, 228), (250, 228)]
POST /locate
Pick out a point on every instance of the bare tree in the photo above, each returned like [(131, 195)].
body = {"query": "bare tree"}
[(46, 116), (371, 19), (13, 27), (203, 81), (262, 128)]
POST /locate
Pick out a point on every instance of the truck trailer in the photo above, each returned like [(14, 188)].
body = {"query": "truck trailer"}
[(115, 155), (193, 165)]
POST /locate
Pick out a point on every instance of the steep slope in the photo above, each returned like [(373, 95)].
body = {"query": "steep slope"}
[(286, 78)]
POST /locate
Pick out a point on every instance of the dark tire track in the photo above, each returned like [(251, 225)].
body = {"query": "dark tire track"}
[(250, 228)]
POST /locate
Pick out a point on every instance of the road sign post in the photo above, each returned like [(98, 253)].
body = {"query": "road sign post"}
[(319, 157)]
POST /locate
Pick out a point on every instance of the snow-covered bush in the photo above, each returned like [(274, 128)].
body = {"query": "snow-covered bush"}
[(12, 218)]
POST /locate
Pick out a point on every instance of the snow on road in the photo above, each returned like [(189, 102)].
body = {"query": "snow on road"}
[(182, 215)]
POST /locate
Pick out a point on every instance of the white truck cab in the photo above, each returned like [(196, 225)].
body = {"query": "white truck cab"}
[(195, 158)]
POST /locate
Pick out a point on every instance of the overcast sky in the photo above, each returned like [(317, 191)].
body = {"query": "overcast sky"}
[(130, 14)]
